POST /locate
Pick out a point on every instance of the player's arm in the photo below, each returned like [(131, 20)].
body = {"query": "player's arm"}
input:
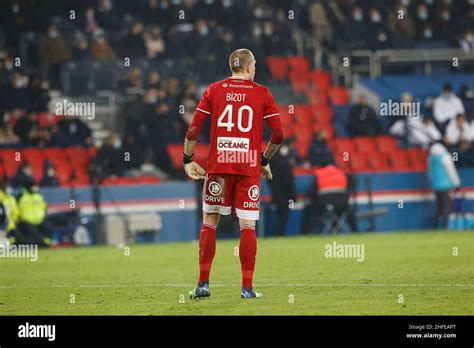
[(272, 118), (194, 170)]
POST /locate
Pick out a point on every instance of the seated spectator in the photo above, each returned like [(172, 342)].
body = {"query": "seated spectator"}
[(446, 106), (7, 136), (23, 176), (459, 138), (76, 131), (109, 160), (133, 155), (49, 177), (53, 51), (319, 151), (155, 45), (154, 80), (467, 41), (133, 83), (28, 130), (33, 209), (363, 120), (100, 48), (133, 44), (15, 95), (56, 138), (39, 94), (80, 48), (467, 97)]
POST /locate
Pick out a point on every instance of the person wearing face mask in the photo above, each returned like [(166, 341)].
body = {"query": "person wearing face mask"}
[(49, 177), (446, 106), (33, 210), (110, 158), (421, 18), (53, 51), (23, 176), (355, 30)]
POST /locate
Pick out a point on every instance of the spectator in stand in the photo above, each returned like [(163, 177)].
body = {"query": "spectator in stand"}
[(133, 83), (422, 18), (53, 51), (444, 23), (15, 94), (446, 106), (319, 150), (459, 138), (154, 80), (39, 94), (355, 31), (467, 41), (23, 176), (80, 48), (363, 120), (467, 97), (401, 26), (56, 138), (49, 176), (28, 130), (109, 160), (91, 26), (155, 44), (319, 20), (76, 131), (133, 44), (100, 48), (444, 178), (133, 155)]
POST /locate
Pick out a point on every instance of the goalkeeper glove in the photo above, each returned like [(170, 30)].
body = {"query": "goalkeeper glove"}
[(194, 170), (266, 171)]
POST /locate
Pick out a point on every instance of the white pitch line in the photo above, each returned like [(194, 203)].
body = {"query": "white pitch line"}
[(111, 286)]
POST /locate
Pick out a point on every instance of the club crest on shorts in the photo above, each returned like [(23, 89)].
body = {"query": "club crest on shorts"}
[(214, 188), (254, 192)]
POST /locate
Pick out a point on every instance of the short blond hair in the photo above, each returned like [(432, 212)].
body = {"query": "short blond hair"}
[(240, 59)]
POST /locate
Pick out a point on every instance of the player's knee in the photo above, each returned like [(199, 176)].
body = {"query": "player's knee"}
[(244, 223), (211, 218)]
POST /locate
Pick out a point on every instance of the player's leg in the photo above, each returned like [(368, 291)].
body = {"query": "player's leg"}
[(214, 205), (247, 203)]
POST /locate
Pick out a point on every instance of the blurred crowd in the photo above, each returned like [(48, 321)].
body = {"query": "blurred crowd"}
[(38, 37)]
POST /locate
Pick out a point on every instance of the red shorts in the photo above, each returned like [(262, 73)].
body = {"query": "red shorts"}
[(222, 191)]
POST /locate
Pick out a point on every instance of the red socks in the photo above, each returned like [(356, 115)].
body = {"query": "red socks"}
[(207, 250), (247, 254)]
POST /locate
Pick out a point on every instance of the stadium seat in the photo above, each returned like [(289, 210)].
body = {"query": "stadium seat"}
[(300, 171), (303, 114), (63, 172), (46, 119), (386, 143), (175, 151), (342, 145), (278, 67), (56, 154), (303, 139), (11, 159), (37, 172), (418, 158), (359, 162), (339, 95), (298, 64), (317, 98), (298, 82), (379, 162), (365, 144), (34, 156), (148, 179), (399, 161), (322, 114), (341, 163), (320, 79)]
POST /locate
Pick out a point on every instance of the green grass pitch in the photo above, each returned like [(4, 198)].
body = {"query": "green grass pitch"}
[(293, 273)]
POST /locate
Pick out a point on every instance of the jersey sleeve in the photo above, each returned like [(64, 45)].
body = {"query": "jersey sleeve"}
[(204, 105), (203, 111), (271, 108)]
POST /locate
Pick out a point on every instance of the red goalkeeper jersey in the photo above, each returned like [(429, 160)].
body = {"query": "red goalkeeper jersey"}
[(237, 108)]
